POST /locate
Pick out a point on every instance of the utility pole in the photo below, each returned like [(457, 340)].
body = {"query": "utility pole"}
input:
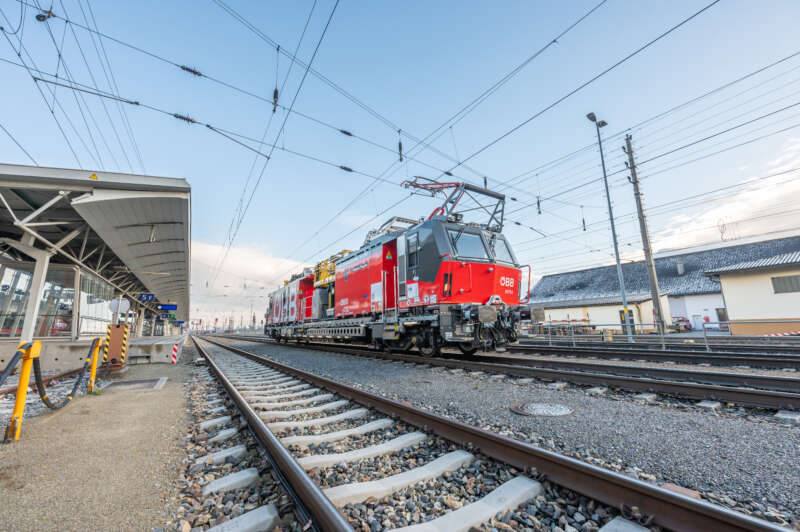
[(648, 252), (598, 124)]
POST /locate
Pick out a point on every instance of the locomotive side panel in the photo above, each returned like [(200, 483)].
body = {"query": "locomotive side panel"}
[(354, 278)]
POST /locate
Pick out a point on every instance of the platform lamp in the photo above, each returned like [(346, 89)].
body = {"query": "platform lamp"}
[(598, 124)]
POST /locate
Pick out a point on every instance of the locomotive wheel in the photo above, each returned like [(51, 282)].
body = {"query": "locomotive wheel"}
[(431, 347), (466, 348)]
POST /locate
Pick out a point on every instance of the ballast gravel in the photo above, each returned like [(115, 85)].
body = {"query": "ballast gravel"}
[(191, 509), (749, 466)]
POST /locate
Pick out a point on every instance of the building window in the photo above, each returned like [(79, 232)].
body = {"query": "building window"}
[(55, 309), (95, 314), (786, 284)]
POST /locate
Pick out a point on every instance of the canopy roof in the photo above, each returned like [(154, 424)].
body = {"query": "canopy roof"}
[(132, 230)]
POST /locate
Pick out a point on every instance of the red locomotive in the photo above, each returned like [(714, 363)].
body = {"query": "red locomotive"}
[(424, 283)]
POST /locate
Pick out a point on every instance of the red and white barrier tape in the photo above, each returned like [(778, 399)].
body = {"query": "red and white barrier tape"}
[(790, 333)]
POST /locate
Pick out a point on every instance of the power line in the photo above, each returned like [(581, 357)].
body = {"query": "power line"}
[(44, 98), (17, 142), (280, 131), (584, 84)]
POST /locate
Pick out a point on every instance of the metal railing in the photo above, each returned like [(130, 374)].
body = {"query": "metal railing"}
[(710, 335)]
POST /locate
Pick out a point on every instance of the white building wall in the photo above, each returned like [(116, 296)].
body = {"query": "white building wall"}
[(750, 296), (607, 316), (696, 308)]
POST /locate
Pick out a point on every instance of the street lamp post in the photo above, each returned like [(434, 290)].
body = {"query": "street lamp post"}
[(598, 124)]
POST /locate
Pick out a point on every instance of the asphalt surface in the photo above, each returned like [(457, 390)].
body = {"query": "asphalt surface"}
[(105, 462)]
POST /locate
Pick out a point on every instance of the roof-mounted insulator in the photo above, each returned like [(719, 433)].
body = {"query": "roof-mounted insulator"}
[(275, 92), (346, 168), (191, 70), (345, 132), (185, 118)]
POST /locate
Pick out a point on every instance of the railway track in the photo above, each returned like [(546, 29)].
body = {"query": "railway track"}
[(714, 358), (292, 413), (698, 346), (750, 390)]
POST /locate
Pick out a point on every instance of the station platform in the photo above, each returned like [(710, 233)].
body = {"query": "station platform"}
[(105, 462), (59, 355)]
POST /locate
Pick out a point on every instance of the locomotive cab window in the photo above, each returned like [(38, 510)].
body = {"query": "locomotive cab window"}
[(501, 250), (467, 245), (413, 251)]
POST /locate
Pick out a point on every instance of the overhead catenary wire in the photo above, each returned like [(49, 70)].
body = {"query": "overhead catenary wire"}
[(111, 79), (15, 141), (469, 107), (585, 84), (280, 131), (41, 93)]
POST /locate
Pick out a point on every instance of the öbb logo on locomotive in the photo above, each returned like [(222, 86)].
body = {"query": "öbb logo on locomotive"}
[(414, 283)]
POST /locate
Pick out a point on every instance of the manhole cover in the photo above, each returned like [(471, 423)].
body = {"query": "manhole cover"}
[(541, 409), (143, 384)]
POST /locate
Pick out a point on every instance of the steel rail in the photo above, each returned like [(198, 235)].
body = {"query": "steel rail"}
[(325, 515), (750, 380), (668, 509), (698, 347), (717, 358), (752, 397)]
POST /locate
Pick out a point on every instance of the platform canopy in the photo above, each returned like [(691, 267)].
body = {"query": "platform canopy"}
[(133, 231)]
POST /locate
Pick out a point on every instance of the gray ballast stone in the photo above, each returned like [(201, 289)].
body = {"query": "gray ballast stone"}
[(220, 456), (787, 416), (597, 390), (240, 479), (710, 405), (301, 393), (557, 385), (267, 394), (223, 435), (217, 421), (308, 441), (269, 415), (646, 397), (218, 409), (620, 524), (279, 426), (506, 497), (394, 445), (262, 518), (361, 491), (296, 402)]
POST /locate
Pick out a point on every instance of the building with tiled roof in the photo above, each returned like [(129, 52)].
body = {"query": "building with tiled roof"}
[(593, 294)]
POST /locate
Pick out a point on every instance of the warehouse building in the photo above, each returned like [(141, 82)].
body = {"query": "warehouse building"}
[(762, 296), (593, 295)]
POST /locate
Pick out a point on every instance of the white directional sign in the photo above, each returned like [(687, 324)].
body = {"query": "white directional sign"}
[(120, 305)]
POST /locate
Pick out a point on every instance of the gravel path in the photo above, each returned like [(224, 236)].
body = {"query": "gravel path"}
[(748, 465)]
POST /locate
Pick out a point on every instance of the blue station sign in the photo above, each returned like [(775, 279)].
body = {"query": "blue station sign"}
[(167, 307), (146, 298)]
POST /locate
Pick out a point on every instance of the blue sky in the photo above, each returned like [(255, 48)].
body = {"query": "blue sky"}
[(416, 63)]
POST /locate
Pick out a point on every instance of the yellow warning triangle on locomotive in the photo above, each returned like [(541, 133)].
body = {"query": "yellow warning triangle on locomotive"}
[(388, 255)]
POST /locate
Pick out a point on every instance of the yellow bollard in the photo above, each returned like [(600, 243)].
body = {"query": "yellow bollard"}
[(93, 372), (14, 426)]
